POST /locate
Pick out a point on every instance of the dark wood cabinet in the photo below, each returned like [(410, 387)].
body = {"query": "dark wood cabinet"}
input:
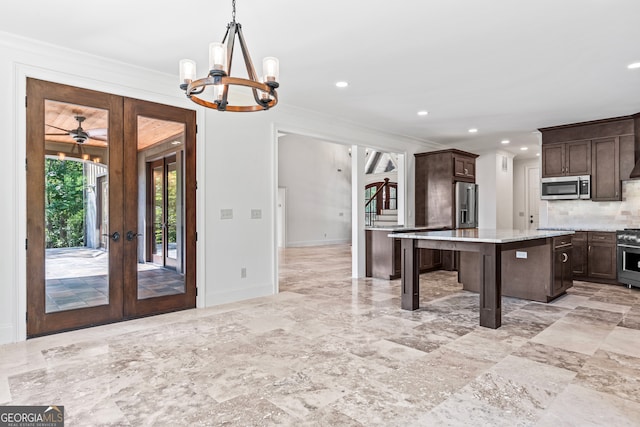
[(435, 175), (605, 183), (566, 159), (552, 160), (430, 259), (464, 167), (602, 255), (605, 149), (594, 256), (562, 266), (579, 255)]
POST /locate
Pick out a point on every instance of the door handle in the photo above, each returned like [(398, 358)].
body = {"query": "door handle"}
[(131, 235), (115, 236)]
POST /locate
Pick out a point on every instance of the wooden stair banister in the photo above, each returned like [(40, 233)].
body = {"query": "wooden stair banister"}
[(386, 182)]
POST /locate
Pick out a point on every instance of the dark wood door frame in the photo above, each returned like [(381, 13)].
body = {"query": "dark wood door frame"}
[(38, 321)]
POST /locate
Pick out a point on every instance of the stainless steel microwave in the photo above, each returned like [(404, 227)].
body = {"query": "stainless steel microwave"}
[(566, 188)]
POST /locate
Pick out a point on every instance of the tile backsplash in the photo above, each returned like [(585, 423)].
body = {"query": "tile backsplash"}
[(588, 215)]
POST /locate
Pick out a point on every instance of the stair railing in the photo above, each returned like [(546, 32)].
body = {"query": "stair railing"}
[(371, 216)]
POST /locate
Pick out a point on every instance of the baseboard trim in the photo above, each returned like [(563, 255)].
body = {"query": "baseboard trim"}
[(318, 243), (217, 298)]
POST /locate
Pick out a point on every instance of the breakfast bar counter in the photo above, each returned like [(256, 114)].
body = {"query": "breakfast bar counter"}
[(487, 243)]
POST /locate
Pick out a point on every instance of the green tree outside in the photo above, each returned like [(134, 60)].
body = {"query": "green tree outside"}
[(64, 203)]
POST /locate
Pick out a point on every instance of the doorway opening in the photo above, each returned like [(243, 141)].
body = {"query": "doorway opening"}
[(314, 179)]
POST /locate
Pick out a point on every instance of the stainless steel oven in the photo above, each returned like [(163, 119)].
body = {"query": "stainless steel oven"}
[(628, 246)]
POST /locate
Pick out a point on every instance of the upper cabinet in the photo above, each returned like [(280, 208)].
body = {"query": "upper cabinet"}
[(605, 149), (464, 167), (566, 159)]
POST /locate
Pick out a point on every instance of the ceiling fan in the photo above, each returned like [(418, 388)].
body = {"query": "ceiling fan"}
[(81, 135)]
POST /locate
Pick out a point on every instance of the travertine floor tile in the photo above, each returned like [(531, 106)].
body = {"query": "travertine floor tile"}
[(330, 350)]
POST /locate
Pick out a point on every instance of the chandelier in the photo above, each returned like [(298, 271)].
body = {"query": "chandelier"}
[(219, 77)]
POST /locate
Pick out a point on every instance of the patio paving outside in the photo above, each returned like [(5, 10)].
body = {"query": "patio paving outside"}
[(78, 278)]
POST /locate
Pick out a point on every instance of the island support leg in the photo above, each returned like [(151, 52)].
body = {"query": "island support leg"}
[(491, 286), (410, 281)]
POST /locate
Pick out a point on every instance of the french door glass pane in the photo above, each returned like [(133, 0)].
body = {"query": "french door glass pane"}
[(172, 211), (76, 204), (158, 220), (161, 268)]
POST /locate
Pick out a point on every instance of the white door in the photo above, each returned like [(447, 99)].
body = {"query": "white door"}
[(533, 198), (282, 217)]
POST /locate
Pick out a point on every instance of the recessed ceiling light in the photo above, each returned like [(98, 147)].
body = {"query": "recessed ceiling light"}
[(524, 148), (423, 113), (505, 141), (473, 130), (537, 154), (633, 66), (342, 84)]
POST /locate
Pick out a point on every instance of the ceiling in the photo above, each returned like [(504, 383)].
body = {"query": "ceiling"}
[(59, 116), (503, 67)]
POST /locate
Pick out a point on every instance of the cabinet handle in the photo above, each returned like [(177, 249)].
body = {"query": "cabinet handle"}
[(466, 172), (589, 248), (565, 257)]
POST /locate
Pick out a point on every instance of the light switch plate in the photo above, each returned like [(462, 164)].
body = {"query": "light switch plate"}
[(256, 213), (226, 213)]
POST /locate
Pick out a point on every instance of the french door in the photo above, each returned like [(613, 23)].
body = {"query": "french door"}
[(87, 204)]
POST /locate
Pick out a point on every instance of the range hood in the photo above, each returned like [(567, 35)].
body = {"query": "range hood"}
[(635, 172)]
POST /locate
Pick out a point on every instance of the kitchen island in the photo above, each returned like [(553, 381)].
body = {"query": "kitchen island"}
[(489, 244)]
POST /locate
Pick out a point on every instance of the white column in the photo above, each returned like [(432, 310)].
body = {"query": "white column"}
[(402, 190), (357, 211)]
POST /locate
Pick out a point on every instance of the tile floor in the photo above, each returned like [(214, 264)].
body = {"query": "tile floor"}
[(332, 351)]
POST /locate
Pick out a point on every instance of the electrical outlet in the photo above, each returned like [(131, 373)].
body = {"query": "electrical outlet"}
[(256, 213), (226, 213), (243, 272)]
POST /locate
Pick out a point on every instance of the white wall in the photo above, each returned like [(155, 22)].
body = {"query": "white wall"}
[(236, 160), (495, 190), (317, 176)]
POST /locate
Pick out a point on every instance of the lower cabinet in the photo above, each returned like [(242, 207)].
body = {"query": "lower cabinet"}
[(579, 255), (594, 256), (562, 266)]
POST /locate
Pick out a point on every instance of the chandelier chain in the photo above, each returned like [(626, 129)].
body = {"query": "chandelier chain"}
[(233, 14)]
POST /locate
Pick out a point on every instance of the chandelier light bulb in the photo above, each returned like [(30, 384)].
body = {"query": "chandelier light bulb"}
[(217, 57), (271, 69), (187, 71), (218, 92)]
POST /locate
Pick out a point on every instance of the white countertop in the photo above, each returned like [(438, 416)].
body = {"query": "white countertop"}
[(399, 228), (483, 235)]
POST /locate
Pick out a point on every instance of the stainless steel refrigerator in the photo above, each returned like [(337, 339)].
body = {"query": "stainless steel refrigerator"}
[(466, 207)]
